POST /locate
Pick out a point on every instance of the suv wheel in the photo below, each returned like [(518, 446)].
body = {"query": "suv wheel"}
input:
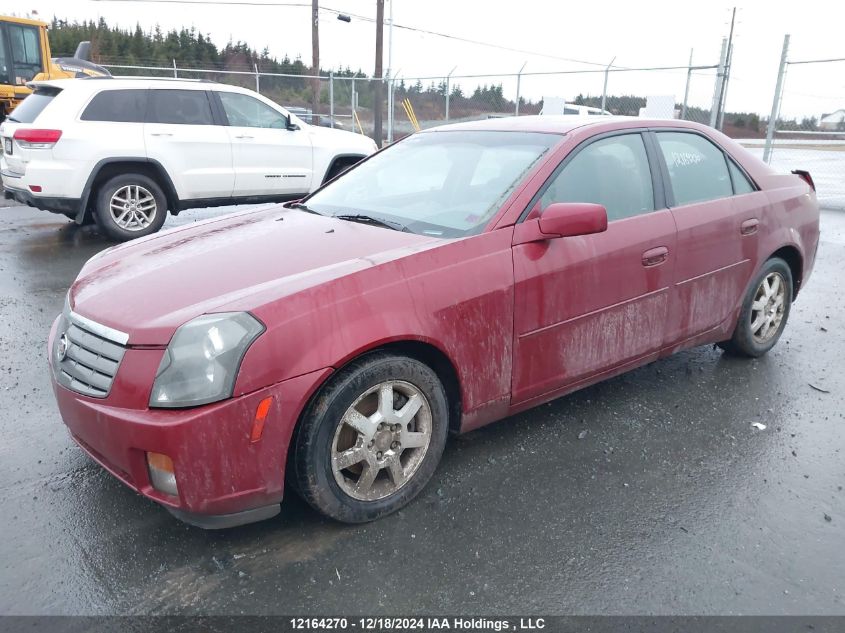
[(130, 206)]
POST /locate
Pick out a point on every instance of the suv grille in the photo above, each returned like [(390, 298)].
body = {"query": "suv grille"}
[(86, 355)]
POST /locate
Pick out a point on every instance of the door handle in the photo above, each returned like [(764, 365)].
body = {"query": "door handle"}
[(244, 136), (160, 134), (655, 256), (749, 227)]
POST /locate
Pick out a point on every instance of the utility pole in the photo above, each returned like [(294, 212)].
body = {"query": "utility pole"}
[(728, 62), (315, 60), (686, 90), (604, 90), (720, 78), (773, 117), (390, 73), (378, 87)]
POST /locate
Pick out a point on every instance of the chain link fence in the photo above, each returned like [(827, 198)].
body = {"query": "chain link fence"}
[(409, 103), (340, 101), (809, 125), (808, 111)]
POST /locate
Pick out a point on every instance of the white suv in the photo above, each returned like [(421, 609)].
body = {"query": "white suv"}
[(124, 151)]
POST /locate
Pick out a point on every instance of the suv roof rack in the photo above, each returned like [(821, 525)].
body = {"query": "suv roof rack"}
[(142, 77)]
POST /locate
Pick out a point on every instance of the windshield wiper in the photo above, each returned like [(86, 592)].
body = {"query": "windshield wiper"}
[(307, 209), (368, 219), (13, 119)]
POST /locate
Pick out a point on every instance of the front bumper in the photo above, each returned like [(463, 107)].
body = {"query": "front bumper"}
[(223, 478)]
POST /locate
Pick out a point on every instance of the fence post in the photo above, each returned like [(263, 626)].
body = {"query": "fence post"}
[(448, 93), (175, 73), (331, 98), (717, 89), (257, 79), (773, 118), (518, 86), (686, 90), (604, 90), (352, 102), (449, 90), (725, 83), (390, 98)]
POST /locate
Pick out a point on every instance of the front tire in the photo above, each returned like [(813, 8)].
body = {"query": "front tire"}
[(130, 206), (764, 312), (371, 440)]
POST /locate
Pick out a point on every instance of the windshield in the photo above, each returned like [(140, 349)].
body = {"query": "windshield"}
[(447, 184)]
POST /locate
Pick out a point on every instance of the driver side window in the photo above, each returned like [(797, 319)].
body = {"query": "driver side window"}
[(245, 111), (613, 172)]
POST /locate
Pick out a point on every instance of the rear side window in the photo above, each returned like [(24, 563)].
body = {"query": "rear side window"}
[(123, 106), (184, 107), (613, 172), (740, 180), (698, 170), (32, 106)]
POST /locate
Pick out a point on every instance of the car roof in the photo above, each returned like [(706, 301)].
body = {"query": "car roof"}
[(560, 123), (93, 84)]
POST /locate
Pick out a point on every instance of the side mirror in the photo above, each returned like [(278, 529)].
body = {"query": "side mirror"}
[(291, 126), (568, 219)]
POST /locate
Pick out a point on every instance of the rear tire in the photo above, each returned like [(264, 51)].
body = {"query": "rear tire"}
[(764, 311), (129, 206), (372, 439)]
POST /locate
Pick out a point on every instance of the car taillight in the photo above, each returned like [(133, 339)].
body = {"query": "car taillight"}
[(806, 177), (37, 139)]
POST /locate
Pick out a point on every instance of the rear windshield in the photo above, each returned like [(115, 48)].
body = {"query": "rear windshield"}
[(33, 105)]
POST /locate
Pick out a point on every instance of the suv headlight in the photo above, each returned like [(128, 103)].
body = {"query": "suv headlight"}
[(201, 362)]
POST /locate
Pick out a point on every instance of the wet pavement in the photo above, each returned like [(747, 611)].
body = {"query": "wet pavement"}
[(650, 493)]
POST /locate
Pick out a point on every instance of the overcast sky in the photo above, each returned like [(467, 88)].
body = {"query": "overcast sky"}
[(637, 34)]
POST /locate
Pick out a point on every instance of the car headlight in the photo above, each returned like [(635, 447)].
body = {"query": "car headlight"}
[(201, 362)]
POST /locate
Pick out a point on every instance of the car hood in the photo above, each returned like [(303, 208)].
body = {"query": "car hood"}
[(149, 287), (332, 137)]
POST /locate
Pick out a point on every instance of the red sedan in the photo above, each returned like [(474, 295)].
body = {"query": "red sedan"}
[(455, 278)]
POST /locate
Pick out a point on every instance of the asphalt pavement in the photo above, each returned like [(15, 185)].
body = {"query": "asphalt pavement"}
[(651, 493)]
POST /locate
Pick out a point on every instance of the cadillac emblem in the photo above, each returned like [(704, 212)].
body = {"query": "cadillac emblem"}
[(61, 347)]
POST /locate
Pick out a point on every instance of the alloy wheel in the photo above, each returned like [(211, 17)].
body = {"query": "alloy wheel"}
[(133, 207), (381, 440), (768, 307)]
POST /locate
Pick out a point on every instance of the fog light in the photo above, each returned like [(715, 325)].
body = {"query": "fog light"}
[(35, 188), (162, 473)]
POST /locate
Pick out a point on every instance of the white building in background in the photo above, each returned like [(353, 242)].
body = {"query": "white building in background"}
[(833, 121)]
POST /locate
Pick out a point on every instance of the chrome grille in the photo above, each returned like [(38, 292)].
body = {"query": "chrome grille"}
[(87, 355)]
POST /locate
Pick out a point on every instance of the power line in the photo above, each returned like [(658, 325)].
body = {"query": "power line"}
[(369, 19)]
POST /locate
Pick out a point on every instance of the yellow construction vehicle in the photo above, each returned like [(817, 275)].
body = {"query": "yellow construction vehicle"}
[(25, 56)]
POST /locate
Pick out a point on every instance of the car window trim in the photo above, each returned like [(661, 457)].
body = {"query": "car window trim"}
[(664, 168), (218, 112), (750, 180), (658, 191)]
